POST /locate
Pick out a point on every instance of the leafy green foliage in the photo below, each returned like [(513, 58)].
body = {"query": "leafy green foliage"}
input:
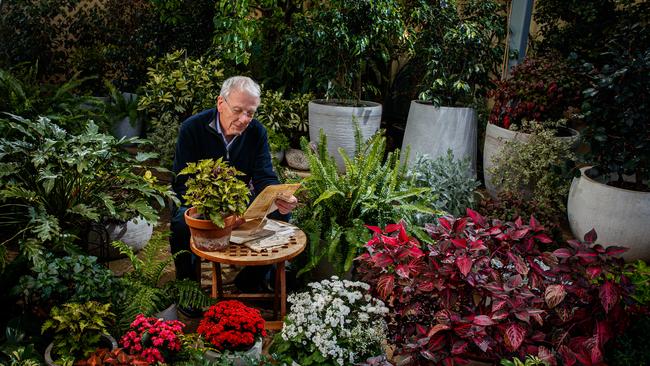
[(145, 292), (459, 44), (215, 190), (639, 274), (21, 93), (121, 106), (178, 87), (452, 190), (284, 117), (560, 20), (373, 191), (75, 278), (538, 168), (78, 327), (342, 45), (616, 106), (55, 184), (528, 361)]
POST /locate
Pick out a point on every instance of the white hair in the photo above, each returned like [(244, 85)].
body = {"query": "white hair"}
[(240, 83)]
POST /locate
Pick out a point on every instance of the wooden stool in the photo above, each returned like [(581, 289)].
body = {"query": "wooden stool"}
[(240, 255)]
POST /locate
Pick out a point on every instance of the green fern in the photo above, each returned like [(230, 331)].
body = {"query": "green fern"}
[(148, 296), (374, 190)]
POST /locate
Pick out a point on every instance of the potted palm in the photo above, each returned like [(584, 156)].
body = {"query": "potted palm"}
[(457, 47), (217, 197), (613, 194)]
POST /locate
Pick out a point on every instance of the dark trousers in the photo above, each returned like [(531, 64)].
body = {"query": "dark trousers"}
[(250, 279)]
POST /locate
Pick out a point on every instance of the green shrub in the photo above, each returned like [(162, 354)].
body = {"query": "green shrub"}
[(452, 190), (55, 185), (538, 168), (178, 87), (284, 117), (78, 328), (75, 278)]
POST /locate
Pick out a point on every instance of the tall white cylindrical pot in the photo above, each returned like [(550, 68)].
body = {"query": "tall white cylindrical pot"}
[(619, 216), (336, 119), (433, 130)]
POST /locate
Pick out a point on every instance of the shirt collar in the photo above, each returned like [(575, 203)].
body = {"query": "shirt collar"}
[(217, 126)]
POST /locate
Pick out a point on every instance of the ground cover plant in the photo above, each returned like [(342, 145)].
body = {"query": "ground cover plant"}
[(489, 289)]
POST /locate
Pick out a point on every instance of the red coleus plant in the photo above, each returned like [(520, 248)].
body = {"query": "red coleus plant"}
[(539, 89), (116, 357), (231, 325), (487, 290)]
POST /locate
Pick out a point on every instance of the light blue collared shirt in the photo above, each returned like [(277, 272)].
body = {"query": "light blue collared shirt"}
[(217, 126)]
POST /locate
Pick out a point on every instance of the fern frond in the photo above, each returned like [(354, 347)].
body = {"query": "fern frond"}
[(190, 294)]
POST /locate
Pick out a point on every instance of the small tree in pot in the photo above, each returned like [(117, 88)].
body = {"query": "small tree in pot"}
[(217, 197)]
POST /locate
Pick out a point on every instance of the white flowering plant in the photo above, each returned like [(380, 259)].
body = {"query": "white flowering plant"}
[(335, 322)]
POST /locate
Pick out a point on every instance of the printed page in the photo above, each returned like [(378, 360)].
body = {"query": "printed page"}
[(263, 203)]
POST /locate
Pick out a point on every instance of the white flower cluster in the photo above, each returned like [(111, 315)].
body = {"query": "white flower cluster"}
[(339, 318)]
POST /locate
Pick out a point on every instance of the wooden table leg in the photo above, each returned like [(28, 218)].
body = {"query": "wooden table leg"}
[(276, 291), (283, 289), (217, 286)]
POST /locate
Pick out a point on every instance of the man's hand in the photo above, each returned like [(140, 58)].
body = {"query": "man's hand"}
[(286, 204)]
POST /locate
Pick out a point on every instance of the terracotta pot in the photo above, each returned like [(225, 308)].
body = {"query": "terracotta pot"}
[(206, 235)]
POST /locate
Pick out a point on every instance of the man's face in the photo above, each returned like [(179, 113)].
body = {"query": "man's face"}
[(236, 112)]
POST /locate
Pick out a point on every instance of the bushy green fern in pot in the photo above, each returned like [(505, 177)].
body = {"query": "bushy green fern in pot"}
[(217, 197)]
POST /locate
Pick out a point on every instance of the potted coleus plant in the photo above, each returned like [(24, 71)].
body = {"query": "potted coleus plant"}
[(613, 194), (79, 329), (234, 327), (457, 46), (218, 197)]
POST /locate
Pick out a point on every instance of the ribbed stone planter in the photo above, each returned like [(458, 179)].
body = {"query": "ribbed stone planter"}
[(254, 354), (619, 216), (336, 119), (433, 130)]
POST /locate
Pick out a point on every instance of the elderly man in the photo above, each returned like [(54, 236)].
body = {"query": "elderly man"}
[(231, 132)]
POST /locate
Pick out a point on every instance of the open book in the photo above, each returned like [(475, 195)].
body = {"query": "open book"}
[(256, 213)]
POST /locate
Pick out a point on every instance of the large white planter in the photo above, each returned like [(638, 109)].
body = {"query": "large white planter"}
[(495, 138), (134, 233), (107, 339), (619, 216), (433, 130), (127, 128), (336, 119)]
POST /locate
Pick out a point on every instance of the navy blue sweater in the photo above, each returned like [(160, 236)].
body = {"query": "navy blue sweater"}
[(249, 153)]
